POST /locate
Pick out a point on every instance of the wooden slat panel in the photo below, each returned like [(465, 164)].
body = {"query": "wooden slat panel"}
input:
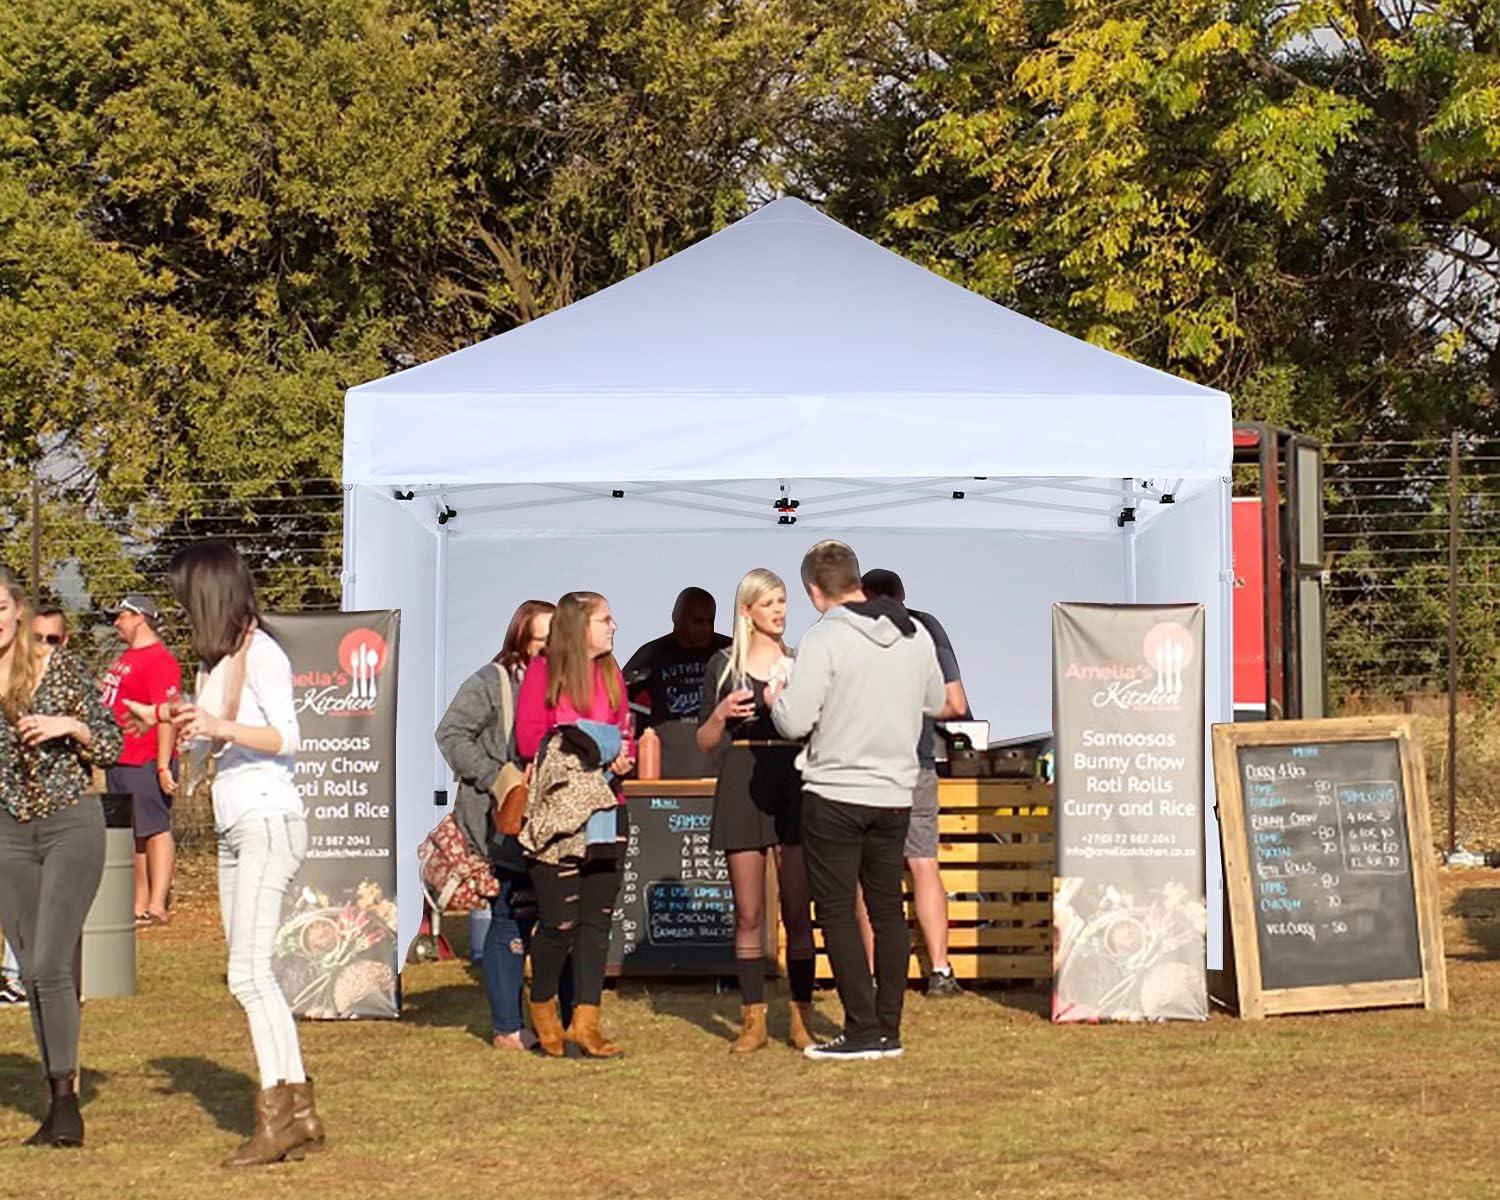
[(995, 793), (996, 879), (1016, 938), (1002, 824), (641, 788), (974, 853), (970, 967), (999, 910)]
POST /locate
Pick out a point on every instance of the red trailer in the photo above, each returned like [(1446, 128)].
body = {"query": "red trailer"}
[(1279, 664)]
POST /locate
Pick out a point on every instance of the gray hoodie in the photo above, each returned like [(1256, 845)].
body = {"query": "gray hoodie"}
[(865, 677)]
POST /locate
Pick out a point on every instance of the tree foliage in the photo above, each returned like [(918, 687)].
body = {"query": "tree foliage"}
[(216, 215)]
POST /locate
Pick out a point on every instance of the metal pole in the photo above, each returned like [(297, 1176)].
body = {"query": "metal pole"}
[(36, 537), (1453, 644)]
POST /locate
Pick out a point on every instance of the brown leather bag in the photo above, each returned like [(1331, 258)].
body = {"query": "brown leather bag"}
[(512, 784)]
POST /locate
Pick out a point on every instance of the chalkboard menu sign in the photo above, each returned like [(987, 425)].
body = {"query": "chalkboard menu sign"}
[(1328, 865), (675, 913)]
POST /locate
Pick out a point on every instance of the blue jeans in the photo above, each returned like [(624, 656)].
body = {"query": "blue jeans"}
[(503, 960)]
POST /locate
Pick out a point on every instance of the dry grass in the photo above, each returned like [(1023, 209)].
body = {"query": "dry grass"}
[(990, 1099)]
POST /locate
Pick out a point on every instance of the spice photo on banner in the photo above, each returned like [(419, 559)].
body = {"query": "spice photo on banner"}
[(336, 949), (1129, 916)]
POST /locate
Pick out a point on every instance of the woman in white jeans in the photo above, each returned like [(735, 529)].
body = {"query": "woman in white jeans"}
[(243, 711)]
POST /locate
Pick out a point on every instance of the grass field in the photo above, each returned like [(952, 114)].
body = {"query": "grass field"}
[(989, 1100)]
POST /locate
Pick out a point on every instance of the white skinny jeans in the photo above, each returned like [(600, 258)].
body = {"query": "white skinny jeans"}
[(258, 856)]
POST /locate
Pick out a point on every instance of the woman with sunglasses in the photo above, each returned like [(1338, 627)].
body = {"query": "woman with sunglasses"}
[(53, 732)]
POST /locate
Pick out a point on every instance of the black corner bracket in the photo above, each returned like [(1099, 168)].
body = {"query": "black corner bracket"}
[(1126, 517)]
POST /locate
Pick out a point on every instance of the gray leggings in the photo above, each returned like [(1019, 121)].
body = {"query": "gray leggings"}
[(49, 871)]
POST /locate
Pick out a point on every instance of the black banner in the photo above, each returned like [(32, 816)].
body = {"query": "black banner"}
[(336, 948), (1129, 915)]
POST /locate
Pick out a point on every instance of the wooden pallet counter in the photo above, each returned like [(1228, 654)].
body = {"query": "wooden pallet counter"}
[(995, 850), (996, 854)]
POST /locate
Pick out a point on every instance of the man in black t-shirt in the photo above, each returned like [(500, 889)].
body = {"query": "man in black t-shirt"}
[(930, 898), (665, 676)]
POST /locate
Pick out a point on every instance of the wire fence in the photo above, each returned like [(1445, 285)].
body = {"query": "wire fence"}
[(1388, 523), (1412, 545)]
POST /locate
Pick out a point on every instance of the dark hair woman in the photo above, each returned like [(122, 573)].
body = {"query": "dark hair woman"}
[(244, 713), (477, 738), (53, 731), (758, 804), (575, 679)]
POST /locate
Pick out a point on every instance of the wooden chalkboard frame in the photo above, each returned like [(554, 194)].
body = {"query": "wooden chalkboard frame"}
[(1431, 990)]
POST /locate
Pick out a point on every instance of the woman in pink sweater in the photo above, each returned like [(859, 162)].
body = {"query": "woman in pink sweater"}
[(575, 679)]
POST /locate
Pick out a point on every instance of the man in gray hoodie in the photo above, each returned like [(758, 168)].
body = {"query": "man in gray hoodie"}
[(865, 676)]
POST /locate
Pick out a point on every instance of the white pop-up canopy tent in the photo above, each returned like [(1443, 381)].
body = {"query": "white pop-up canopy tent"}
[(658, 433)]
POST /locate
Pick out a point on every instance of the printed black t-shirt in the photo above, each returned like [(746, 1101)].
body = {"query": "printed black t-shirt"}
[(669, 676)]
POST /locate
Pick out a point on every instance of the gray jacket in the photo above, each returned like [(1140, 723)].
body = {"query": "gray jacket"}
[(473, 744), (865, 677)]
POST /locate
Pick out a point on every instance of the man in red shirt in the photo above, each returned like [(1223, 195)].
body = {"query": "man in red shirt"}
[(147, 672)]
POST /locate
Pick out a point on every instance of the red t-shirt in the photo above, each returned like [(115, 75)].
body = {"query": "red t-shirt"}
[(147, 675)]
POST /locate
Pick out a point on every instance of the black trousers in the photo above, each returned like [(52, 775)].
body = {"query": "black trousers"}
[(575, 904), (845, 845)]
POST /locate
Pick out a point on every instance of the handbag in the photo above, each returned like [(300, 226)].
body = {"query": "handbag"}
[(455, 877), (511, 785)]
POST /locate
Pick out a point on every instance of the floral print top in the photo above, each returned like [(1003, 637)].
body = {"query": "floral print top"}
[(37, 781)]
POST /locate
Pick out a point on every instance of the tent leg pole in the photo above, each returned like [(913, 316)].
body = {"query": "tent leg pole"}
[(440, 656), (1127, 528), (347, 576)]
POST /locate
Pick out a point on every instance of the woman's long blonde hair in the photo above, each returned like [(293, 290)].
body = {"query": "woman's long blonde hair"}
[(24, 665), (570, 670), (752, 590)]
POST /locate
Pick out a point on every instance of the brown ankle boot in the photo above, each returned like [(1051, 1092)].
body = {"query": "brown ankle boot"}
[(275, 1137), (752, 1030), (549, 1030), (584, 1033), (801, 1027), (305, 1119)]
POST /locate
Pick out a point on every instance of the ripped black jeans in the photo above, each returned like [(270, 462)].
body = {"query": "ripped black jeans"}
[(575, 904), (512, 920)]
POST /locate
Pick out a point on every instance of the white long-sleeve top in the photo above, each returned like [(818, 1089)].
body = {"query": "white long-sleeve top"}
[(247, 781)]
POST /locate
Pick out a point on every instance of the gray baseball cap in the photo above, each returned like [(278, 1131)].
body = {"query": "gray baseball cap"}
[(136, 603)]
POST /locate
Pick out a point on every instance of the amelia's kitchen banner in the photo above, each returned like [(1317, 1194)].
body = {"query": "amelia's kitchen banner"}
[(1129, 918), (335, 952)]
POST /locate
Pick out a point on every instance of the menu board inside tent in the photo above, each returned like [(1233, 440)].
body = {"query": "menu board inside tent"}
[(1327, 857), (675, 912)]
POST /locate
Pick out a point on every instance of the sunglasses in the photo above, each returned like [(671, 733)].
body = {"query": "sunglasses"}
[(52, 639)]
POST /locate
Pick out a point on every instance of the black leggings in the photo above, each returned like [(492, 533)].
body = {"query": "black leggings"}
[(575, 904)]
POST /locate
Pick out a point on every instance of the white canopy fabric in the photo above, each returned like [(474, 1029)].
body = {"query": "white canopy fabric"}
[(782, 346), (640, 440)]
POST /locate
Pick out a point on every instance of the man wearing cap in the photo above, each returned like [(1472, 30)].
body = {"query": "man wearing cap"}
[(147, 673)]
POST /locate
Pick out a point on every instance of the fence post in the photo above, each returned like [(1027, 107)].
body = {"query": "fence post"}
[(1453, 643), (36, 536)]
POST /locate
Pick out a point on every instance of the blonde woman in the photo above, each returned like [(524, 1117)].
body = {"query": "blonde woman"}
[(757, 803), (53, 729)]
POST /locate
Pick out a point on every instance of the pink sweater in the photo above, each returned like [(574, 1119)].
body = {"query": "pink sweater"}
[(535, 718)]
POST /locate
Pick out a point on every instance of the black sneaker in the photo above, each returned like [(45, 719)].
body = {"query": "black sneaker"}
[(941, 985), (11, 992), (843, 1050), (890, 1047)]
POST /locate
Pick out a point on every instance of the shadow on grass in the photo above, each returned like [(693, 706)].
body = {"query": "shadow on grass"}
[(1035, 1001), (23, 1089), (453, 1006), (696, 1003), (227, 1095), (1479, 908)]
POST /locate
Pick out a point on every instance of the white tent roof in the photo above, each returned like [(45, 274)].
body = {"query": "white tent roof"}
[(783, 348)]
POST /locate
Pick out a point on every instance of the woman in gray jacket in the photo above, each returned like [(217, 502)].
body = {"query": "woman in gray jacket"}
[(477, 737)]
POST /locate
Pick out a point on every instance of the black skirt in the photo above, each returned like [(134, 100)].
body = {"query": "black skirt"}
[(758, 800)]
